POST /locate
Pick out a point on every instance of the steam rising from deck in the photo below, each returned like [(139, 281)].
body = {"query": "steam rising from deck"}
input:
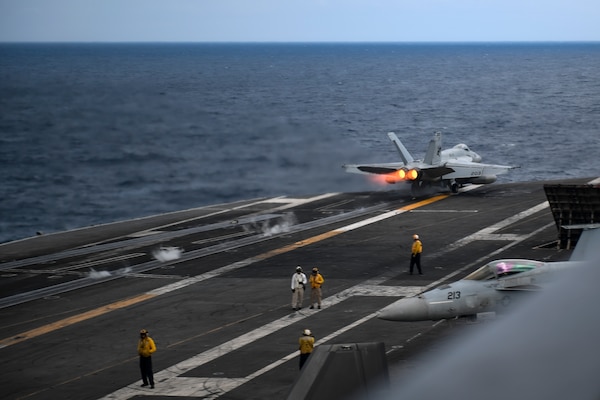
[(283, 225), (165, 254)]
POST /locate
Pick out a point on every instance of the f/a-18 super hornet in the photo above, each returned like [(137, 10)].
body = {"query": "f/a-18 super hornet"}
[(450, 168), (495, 287)]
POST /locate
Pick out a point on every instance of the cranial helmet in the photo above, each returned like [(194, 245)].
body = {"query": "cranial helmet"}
[(298, 268), (315, 270), (306, 332), (415, 236), (143, 332)]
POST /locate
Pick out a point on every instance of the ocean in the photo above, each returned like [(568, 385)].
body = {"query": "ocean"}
[(96, 133)]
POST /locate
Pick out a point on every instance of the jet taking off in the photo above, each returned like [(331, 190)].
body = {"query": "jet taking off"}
[(494, 287), (448, 168)]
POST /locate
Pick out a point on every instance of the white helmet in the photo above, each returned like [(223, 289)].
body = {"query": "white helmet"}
[(415, 236), (306, 332)]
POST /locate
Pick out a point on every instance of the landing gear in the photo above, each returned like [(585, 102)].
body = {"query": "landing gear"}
[(420, 188), (454, 187)]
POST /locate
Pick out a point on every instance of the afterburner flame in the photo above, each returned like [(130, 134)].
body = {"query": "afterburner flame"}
[(383, 179), (396, 176), (412, 174)]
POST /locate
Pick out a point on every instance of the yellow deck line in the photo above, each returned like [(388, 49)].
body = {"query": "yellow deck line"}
[(74, 319), (63, 323), (424, 202)]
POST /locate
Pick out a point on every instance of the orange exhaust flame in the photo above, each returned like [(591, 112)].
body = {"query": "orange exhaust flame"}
[(397, 176), (412, 174)]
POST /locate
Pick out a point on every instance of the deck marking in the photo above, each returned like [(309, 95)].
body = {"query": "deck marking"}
[(594, 181), (210, 385), (212, 388), (168, 381), (445, 211), (488, 233), (74, 319), (18, 338), (390, 214)]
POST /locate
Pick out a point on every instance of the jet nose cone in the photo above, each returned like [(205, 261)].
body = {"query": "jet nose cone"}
[(407, 309)]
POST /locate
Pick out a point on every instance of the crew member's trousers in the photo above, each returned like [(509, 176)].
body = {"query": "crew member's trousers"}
[(146, 370), (315, 296), (298, 297), (415, 259)]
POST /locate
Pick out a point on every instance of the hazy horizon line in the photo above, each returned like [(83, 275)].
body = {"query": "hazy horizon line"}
[(296, 42)]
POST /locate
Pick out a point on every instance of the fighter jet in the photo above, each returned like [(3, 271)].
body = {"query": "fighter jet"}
[(496, 286), (450, 168)]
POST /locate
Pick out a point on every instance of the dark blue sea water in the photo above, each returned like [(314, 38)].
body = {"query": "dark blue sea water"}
[(94, 133)]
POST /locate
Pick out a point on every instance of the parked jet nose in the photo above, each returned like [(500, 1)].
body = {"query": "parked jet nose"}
[(407, 309)]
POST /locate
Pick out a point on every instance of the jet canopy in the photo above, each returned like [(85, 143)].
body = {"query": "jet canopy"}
[(501, 268)]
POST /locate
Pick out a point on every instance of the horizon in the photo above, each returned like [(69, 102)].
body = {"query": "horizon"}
[(308, 42)]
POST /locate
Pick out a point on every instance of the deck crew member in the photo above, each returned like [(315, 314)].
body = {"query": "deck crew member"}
[(415, 257), (316, 281), (298, 284), (146, 347), (306, 344)]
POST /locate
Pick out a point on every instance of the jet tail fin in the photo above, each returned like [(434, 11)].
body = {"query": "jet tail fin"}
[(434, 150), (404, 154)]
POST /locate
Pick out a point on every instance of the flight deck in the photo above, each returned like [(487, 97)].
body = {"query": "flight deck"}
[(212, 287)]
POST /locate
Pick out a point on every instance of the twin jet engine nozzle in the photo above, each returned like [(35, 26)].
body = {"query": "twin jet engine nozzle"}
[(403, 174)]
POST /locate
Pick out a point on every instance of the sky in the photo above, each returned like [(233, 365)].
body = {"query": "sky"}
[(299, 20)]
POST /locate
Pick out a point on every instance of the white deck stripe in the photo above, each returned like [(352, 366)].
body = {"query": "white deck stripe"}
[(369, 221), (168, 380), (166, 384)]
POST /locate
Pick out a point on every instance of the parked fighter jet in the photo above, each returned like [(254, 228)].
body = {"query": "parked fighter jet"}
[(528, 354), (449, 168), (494, 287)]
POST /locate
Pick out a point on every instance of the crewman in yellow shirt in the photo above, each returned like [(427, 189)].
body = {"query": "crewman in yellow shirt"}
[(146, 347), (306, 344), (316, 281), (415, 257)]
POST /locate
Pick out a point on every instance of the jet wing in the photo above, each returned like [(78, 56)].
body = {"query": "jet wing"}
[(428, 172), (473, 170), (433, 172), (380, 169)]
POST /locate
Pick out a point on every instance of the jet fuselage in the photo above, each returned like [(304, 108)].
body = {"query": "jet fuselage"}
[(496, 287)]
